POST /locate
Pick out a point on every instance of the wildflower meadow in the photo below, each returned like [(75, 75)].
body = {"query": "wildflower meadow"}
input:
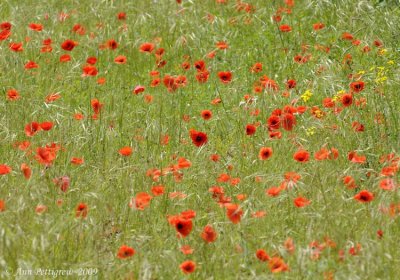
[(199, 139)]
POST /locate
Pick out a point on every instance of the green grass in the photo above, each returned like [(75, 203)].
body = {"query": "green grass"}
[(107, 181)]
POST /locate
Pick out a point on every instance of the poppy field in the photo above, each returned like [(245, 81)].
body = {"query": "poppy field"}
[(199, 139)]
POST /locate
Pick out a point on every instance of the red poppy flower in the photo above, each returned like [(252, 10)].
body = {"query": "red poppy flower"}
[(45, 155), (32, 128), (209, 235), (289, 245), (200, 65), (36, 27), (12, 94), (81, 210), (146, 47), (188, 267), (139, 89), (46, 126), (40, 209), (358, 127), (301, 202), (364, 196), (26, 170), (274, 122), (187, 250), (4, 169), (285, 28), (265, 153), (125, 252), (158, 190), (2, 205), (89, 70), (63, 183), (300, 59), (250, 129), (357, 86), (78, 29), (349, 182), (170, 83), (121, 16), (347, 36), (225, 77), (387, 184), (69, 45), (222, 45), (125, 151), (31, 65), (141, 201), (274, 191), (202, 76), (288, 121), (185, 65), (183, 226), (256, 68), (96, 105), (262, 255), (112, 44), (347, 100), (322, 154), (291, 84), (77, 161), (318, 26), (121, 59), (276, 265), (378, 44), (328, 102), (354, 157), (91, 60), (198, 138), (65, 58), (206, 114), (234, 212), (5, 25), (301, 156), (16, 47)]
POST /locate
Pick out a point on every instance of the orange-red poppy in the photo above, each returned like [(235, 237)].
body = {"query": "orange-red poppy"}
[(301, 156), (81, 210), (301, 202), (146, 47), (198, 138), (225, 77), (276, 264), (364, 196), (209, 235), (188, 267), (120, 59), (125, 252), (69, 45), (262, 255), (265, 153), (125, 151), (26, 170), (234, 212), (5, 169)]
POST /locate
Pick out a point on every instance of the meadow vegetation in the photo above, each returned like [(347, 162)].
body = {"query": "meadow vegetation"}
[(200, 139)]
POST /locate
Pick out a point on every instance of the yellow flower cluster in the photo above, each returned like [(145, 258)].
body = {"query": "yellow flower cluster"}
[(338, 95), (310, 131), (307, 95), (381, 75)]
